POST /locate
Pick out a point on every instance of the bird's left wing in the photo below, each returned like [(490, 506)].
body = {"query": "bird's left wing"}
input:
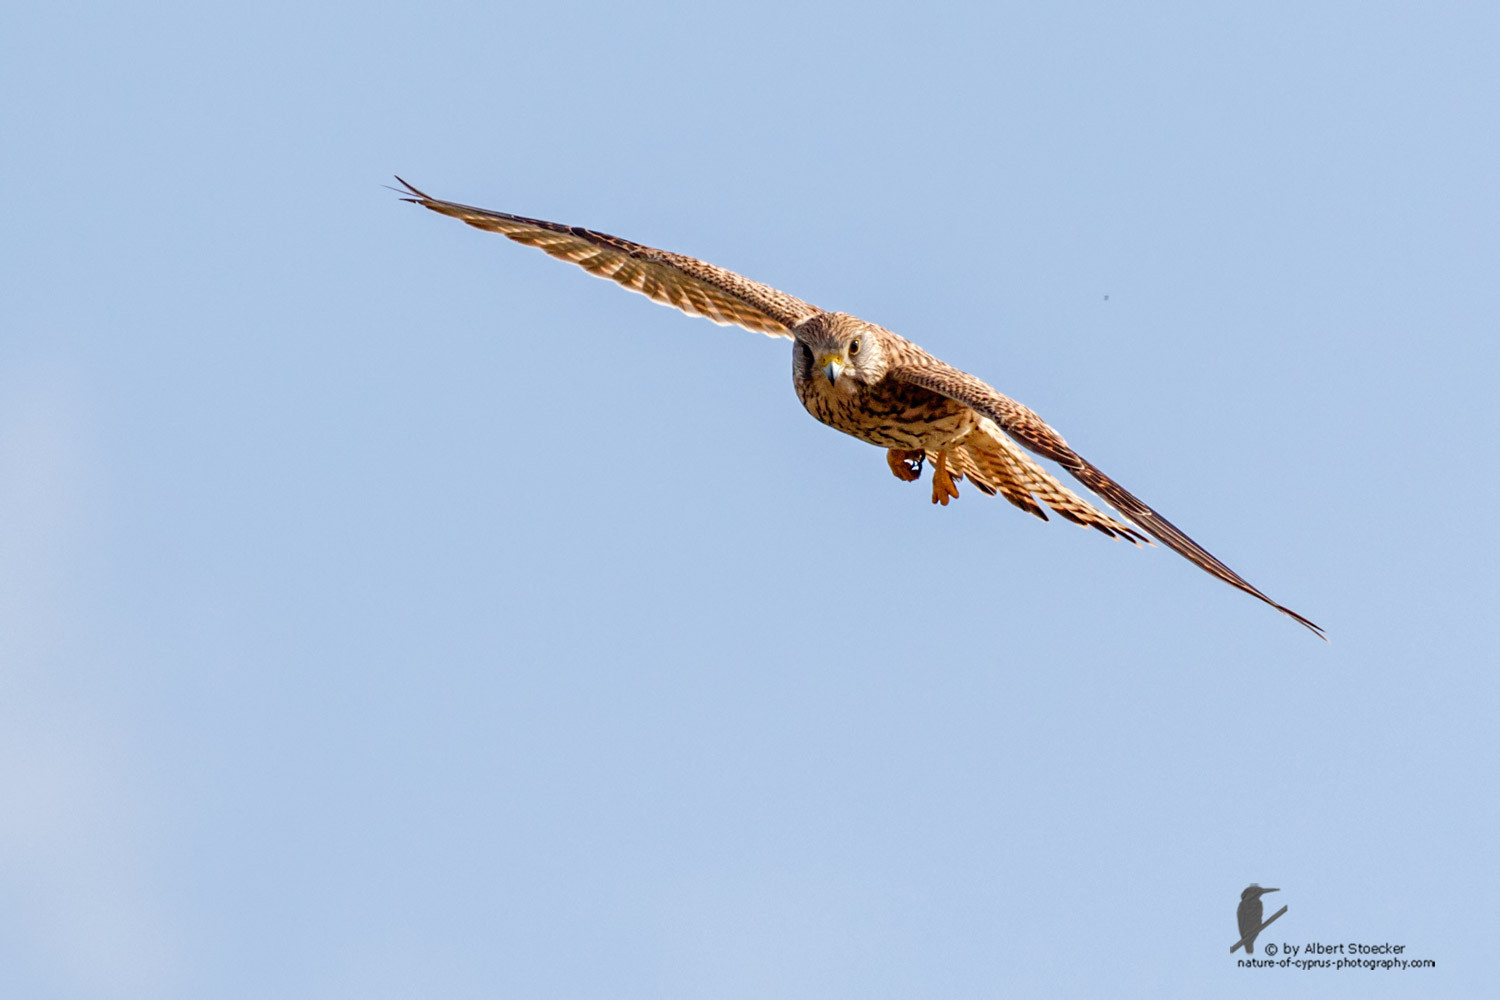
[(1030, 430), (696, 287)]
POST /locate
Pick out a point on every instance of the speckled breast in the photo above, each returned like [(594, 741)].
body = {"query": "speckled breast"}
[(889, 414)]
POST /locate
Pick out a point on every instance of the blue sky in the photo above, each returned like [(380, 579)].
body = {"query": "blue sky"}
[(389, 610)]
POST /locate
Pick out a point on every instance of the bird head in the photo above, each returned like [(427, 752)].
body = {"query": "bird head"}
[(842, 350), (1253, 891)]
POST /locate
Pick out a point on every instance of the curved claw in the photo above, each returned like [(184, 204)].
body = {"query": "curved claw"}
[(943, 487), (905, 465)]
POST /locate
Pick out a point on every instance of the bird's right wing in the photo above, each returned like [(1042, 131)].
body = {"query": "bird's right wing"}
[(694, 286)]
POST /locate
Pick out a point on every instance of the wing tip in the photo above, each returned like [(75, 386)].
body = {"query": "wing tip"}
[(1306, 623), (421, 197)]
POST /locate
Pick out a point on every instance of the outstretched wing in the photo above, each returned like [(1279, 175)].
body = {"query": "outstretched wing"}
[(996, 464), (694, 286), (1030, 430)]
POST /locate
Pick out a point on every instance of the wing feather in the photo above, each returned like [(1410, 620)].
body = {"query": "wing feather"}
[(1022, 424), (990, 457), (686, 283)]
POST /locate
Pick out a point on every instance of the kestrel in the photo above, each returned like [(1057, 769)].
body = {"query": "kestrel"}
[(868, 382)]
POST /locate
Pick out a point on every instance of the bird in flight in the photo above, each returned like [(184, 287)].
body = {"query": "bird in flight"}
[(868, 382)]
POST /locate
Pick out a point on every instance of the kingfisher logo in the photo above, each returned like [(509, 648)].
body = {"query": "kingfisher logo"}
[(1279, 953), (1249, 915)]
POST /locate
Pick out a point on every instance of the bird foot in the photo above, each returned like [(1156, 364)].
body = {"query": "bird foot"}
[(907, 465), (943, 487)]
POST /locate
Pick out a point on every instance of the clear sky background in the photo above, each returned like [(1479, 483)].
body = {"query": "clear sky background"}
[(387, 610)]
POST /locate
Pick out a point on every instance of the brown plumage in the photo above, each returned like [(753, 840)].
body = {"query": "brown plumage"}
[(866, 381)]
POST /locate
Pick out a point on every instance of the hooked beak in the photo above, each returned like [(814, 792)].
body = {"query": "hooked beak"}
[(832, 366)]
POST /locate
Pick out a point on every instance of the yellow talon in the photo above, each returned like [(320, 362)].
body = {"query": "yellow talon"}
[(943, 487), (905, 465)]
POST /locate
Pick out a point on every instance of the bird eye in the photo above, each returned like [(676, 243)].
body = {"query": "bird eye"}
[(854, 347)]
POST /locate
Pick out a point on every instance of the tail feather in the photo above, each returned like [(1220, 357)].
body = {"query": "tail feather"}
[(996, 464)]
